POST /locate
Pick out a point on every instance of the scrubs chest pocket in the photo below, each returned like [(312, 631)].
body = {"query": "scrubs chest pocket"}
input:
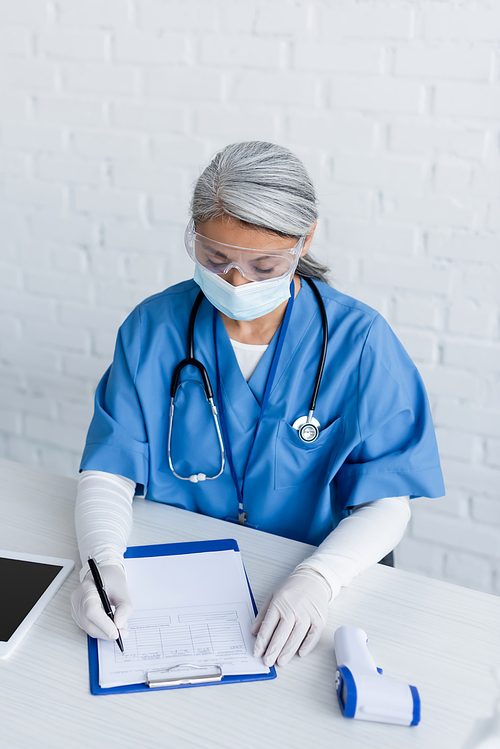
[(298, 462)]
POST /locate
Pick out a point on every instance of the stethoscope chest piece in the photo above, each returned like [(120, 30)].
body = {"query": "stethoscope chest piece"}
[(307, 427)]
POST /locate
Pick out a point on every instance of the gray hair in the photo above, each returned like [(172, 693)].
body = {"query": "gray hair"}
[(263, 185)]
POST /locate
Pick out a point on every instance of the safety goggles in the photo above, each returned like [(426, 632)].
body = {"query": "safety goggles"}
[(254, 265)]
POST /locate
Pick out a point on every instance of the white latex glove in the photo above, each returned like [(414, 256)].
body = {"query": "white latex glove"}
[(87, 610), (293, 618)]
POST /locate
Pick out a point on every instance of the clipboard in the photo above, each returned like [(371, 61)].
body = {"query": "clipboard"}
[(165, 680)]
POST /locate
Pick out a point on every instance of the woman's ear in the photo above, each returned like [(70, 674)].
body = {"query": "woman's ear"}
[(309, 239)]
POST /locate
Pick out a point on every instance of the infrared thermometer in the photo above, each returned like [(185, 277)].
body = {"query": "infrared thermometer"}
[(362, 689)]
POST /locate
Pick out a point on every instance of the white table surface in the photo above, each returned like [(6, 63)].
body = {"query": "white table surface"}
[(442, 638)]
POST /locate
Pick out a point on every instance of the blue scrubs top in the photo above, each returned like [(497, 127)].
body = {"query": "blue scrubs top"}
[(376, 440)]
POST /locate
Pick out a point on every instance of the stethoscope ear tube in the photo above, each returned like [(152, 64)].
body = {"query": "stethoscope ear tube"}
[(191, 361), (195, 477), (201, 369), (190, 357)]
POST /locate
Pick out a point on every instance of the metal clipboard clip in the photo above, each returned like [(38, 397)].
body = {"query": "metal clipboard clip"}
[(215, 674)]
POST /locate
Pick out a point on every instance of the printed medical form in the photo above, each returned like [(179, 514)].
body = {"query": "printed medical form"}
[(188, 609)]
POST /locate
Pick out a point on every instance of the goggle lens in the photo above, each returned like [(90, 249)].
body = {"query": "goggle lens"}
[(254, 265)]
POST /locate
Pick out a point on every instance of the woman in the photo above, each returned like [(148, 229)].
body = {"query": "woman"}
[(336, 473)]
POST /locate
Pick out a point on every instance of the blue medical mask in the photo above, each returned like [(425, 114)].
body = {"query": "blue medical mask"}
[(247, 301)]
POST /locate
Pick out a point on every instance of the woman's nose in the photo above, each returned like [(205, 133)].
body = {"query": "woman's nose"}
[(234, 277)]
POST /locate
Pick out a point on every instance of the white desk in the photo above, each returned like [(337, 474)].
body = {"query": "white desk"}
[(441, 638)]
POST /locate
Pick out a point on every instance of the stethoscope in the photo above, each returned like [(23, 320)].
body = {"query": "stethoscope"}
[(308, 427)]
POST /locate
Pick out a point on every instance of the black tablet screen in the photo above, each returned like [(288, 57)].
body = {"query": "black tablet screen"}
[(22, 583)]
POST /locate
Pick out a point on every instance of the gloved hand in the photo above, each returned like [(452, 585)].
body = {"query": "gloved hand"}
[(293, 618), (87, 610)]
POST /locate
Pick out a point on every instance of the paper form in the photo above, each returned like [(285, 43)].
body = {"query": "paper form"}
[(188, 608)]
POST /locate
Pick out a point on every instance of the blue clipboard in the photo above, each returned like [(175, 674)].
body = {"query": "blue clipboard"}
[(192, 547)]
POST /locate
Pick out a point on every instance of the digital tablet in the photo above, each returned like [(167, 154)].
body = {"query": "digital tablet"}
[(27, 583)]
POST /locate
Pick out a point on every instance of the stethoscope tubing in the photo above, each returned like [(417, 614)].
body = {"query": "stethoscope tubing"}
[(190, 360), (324, 345)]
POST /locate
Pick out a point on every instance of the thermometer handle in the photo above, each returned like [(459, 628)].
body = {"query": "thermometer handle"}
[(351, 650)]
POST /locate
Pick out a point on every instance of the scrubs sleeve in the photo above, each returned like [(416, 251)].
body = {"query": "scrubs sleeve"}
[(117, 439), (397, 452)]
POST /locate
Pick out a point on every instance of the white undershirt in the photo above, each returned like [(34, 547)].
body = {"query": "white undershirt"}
[(248, 355)]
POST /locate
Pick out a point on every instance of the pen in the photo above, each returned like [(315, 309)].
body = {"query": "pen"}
[(103, 595)]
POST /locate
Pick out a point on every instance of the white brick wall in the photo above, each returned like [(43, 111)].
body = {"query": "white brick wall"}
[(108, 110)]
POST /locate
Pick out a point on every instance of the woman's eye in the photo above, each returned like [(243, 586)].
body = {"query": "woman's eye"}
[(269, 268), (214, 260), (264, 271), (217, 262)]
